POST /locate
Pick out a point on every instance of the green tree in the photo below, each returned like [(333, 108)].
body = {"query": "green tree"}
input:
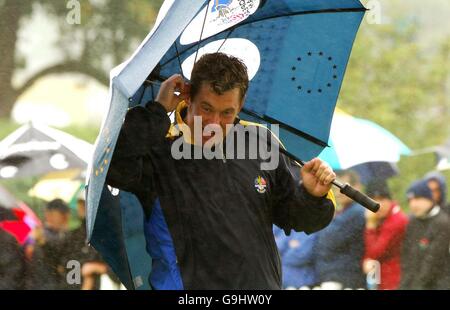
[(109, 30), (402, 85)]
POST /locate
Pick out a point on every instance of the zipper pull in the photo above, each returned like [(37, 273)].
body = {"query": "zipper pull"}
[(224, 158)]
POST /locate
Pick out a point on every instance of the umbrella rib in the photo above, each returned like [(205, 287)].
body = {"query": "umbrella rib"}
[(179, 59), (226, 38), (345, 10), (201, 34), (285, 126)]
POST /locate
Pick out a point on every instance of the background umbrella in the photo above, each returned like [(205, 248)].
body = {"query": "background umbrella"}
[(377, 170), (58, 184), (296, 52), (377, 149), (36, 149), (442, 153)]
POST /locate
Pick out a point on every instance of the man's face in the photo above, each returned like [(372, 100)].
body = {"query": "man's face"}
[(420, 206), (435, 190), (56, 220), (341, 199), (217, 110), (385, 207)]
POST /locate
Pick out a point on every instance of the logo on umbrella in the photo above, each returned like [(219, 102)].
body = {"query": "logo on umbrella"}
[(220, 5), (232, 12), (260, 184)]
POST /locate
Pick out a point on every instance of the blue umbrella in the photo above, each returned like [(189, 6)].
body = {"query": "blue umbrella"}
[(296, 52), (377, 153)]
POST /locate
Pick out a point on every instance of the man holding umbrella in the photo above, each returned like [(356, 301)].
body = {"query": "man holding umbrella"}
[(208, 222)]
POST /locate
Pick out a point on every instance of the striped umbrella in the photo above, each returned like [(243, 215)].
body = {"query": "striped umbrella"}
[(360, 143)]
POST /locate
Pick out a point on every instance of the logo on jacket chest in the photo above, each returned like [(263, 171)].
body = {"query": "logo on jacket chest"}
[(424, 243), (260, 184)]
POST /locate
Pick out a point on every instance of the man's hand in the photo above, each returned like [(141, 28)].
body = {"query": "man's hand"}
[(369, 265), (317, 177), (91, 268), (166, 96), (38, 235)]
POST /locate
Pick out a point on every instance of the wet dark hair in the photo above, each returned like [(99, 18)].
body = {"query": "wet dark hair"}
[(58, 205), (222, 72)]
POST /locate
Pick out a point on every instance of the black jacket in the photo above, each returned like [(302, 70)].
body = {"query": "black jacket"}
[(76, 248), (425, 255), (221, 226), (12, 263), (47, 268)]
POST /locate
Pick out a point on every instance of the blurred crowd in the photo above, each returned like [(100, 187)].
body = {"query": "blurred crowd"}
[(386, 250), (52, 257), (358, 250)]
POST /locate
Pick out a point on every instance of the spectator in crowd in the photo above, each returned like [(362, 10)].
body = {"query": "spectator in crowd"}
[(47, 269), (384, 235), (438, 186), (426, 245), (339, 248), (76, 248), (297, 261), (11, 262)]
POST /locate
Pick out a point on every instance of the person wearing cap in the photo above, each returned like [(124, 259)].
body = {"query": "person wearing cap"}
[(47, 267), (76, 248), (383, 237), (425, 263), (11, 262), (438, 186)]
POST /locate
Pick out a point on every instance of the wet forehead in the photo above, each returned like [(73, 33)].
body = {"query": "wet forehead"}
[(227, 100)]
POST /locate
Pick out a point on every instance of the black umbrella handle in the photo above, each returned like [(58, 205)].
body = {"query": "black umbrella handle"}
[(345, 189), (357, 196)]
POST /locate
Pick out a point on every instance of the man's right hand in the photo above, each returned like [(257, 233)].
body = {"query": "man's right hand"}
[(166, 95)]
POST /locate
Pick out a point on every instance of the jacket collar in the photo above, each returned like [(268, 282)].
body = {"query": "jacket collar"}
[(178, 128)]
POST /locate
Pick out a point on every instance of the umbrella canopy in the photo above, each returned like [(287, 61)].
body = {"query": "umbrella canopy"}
[(36, 149), (296, 53), (7, 200), (443, 164), (442, 153), (58, 184), (375, 145), (376, 170)]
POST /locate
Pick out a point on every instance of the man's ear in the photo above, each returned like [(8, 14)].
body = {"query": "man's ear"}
[(188, 102)]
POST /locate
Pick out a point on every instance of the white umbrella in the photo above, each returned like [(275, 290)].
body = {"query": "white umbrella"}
[(37, 149), (355, 142)]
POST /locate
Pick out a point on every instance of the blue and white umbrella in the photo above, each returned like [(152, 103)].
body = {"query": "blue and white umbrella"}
[(363, 145)]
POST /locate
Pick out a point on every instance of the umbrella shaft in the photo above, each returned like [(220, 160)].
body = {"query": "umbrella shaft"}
[(346, 189)]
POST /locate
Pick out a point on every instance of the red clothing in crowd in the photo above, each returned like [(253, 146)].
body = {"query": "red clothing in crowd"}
[(384, 243)]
